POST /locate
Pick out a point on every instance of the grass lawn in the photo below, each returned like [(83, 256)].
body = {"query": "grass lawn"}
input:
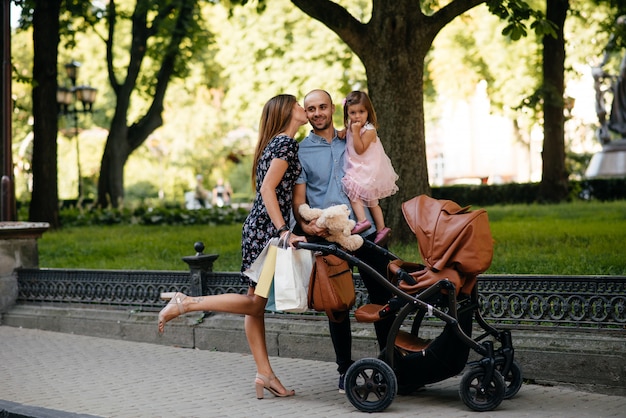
[(580, 238)]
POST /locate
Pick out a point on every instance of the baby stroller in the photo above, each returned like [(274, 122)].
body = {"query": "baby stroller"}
[(455, 245)]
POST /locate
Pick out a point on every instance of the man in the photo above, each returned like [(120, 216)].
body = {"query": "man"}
[(321, 156)]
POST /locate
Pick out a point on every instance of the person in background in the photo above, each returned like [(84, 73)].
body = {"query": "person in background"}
[(201, 194), (321, 155), (221, 193), (274, 172)]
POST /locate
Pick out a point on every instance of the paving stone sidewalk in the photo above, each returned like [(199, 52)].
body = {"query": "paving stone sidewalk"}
[(47, 374)]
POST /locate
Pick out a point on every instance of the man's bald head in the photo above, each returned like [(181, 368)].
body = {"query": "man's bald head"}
[(317, 92)]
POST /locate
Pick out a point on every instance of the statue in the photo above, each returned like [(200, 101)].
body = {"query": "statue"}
[(611, 160), (617, 86)]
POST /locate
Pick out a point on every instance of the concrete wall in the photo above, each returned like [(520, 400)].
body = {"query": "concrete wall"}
[(18, 249)]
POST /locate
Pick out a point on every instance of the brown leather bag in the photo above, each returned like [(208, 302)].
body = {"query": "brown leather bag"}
[(331, 288)]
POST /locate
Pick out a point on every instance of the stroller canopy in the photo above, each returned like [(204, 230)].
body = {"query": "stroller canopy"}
[(449, 235)]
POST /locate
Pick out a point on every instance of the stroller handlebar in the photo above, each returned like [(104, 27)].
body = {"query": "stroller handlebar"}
[(325, 247), (332, 248)]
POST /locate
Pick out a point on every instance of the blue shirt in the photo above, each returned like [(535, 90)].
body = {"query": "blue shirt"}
[(322, 171)]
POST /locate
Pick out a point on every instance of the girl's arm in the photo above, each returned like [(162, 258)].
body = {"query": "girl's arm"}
[(272, 179), (362, 142)]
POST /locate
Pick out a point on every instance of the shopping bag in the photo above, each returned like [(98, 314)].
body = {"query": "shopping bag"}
[(266, 275), (254, 271), (291, 279), (270, 305)]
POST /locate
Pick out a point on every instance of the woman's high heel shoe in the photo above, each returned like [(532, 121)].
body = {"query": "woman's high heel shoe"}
[(173, 309), (263, 382)]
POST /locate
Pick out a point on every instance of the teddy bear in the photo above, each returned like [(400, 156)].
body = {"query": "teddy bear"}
[(337, 220)]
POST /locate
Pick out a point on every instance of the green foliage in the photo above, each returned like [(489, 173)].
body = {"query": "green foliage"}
[(603, 189), (142, 215), (278, 51), (577, 238), (515, 13), (141, 191), (471, 49), (576, 164), (488, 194)]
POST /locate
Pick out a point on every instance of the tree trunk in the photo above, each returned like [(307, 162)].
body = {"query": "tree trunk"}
[(554, 186), (44, 205), (124, 139), (401, 132), (116, 152)]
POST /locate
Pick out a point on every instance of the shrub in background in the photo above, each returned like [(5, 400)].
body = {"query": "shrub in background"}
[(526, 193)]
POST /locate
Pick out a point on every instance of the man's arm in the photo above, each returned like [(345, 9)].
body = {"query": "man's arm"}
[(299, 198)]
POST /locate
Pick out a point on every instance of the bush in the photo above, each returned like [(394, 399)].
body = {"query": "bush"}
[(152, 216), (603, 189), (71, 214), (526, 193)]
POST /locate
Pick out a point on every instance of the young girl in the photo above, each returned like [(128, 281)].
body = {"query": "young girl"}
[(369, 175)]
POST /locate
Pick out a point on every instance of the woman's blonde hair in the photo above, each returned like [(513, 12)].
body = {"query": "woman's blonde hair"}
[(275, 119), (360, 97)]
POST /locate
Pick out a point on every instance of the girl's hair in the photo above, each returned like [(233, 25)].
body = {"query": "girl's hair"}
[(359, 97), (275, 118)]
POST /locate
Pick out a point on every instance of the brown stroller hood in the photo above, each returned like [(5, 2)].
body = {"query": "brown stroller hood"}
[(450, 236)]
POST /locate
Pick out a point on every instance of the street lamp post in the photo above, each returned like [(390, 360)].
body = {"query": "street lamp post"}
[(68, 99)]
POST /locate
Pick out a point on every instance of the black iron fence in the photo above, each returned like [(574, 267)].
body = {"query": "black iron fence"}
[(517, 301)]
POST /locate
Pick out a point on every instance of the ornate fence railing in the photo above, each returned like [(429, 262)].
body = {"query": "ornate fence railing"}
[(574, 302), (580, 301)]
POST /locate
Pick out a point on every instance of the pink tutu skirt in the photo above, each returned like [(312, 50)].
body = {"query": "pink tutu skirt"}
[(368, 176)]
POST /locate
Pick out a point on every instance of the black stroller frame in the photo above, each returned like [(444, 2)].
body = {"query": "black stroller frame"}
[(371, 384)]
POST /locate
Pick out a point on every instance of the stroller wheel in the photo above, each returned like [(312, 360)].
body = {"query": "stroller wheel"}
[(370, 385), (477, 397), (512, 379)]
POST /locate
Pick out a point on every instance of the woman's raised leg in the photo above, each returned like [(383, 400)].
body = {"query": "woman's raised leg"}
[(249, 304)]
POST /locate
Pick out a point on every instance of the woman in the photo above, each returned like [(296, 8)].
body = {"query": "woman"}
[(274, 172)]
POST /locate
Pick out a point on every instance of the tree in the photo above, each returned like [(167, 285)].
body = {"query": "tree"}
[(44, 204), (393, 46), (554, 184), (162, 33)]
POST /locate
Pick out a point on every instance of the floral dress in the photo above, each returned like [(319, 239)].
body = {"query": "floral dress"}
[(258, 228)]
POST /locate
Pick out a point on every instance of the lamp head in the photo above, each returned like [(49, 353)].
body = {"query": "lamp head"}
[(71, 68)]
